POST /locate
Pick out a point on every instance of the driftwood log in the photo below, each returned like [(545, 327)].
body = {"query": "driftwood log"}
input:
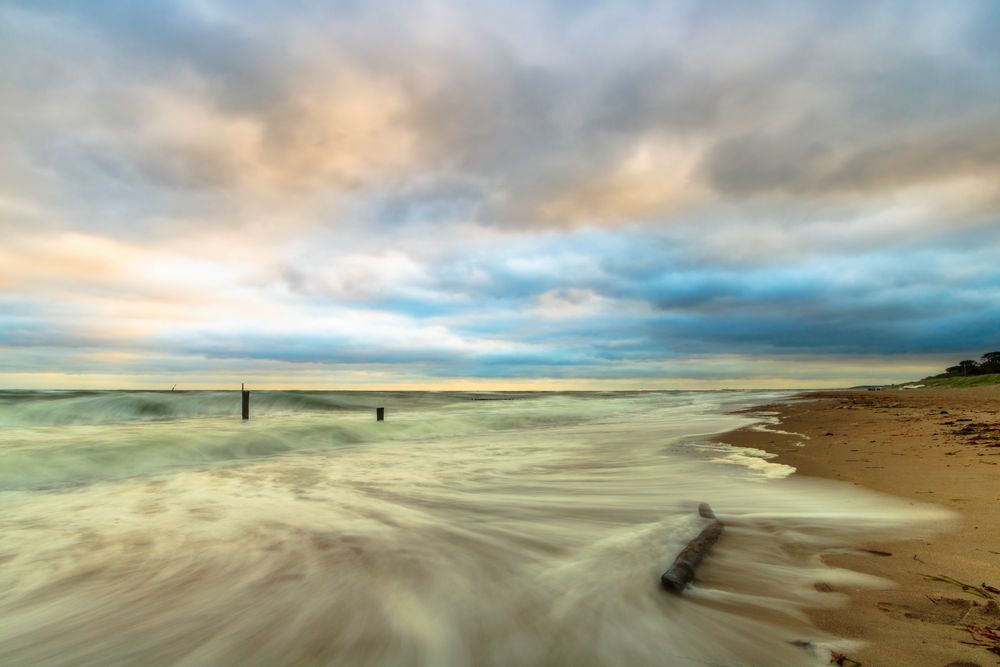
[(682, 571)]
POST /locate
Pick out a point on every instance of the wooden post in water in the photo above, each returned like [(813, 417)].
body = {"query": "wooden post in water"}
[(681, 572), (380, 414), (246, 402)]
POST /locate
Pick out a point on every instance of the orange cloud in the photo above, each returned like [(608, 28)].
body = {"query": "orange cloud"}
[(655, 176), (336, 132)]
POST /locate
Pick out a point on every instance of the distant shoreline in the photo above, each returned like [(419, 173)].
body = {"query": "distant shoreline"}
[(932, 445)]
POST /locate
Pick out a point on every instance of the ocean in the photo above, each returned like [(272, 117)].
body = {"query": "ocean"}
[(158, 528)]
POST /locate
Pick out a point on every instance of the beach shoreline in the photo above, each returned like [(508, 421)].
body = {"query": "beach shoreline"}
[(939, 446)]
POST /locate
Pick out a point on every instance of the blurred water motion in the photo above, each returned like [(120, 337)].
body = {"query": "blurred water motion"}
[(156, 528)]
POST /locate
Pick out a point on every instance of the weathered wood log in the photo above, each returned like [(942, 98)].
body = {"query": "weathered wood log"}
[(682, 571), (380, 414), (246, 402)]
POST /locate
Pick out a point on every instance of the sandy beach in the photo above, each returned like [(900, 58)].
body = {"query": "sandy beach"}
[(932, 445)]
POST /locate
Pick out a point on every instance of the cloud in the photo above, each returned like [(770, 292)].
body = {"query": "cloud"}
[(520, 190), (801, 163)]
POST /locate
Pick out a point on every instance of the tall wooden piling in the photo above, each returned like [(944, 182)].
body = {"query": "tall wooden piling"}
[(380, 414), (246, 401)]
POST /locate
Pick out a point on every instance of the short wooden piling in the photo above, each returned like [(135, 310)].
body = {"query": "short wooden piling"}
[(246, 402), (682, 571), (380, 414)]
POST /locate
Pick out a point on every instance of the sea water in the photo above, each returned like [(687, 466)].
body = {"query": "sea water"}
[(158, 528)]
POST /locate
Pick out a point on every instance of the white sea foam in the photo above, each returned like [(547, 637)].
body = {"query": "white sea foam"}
[(458, 532)]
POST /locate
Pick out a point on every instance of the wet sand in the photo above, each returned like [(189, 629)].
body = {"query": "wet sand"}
[(931, 445)]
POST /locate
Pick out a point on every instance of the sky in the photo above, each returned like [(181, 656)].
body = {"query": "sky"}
[(508, 195)]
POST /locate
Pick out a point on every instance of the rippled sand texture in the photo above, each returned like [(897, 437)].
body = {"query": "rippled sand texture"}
[(157, 529)]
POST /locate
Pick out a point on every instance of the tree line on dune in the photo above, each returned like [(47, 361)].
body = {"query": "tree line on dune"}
[(988, 363)]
